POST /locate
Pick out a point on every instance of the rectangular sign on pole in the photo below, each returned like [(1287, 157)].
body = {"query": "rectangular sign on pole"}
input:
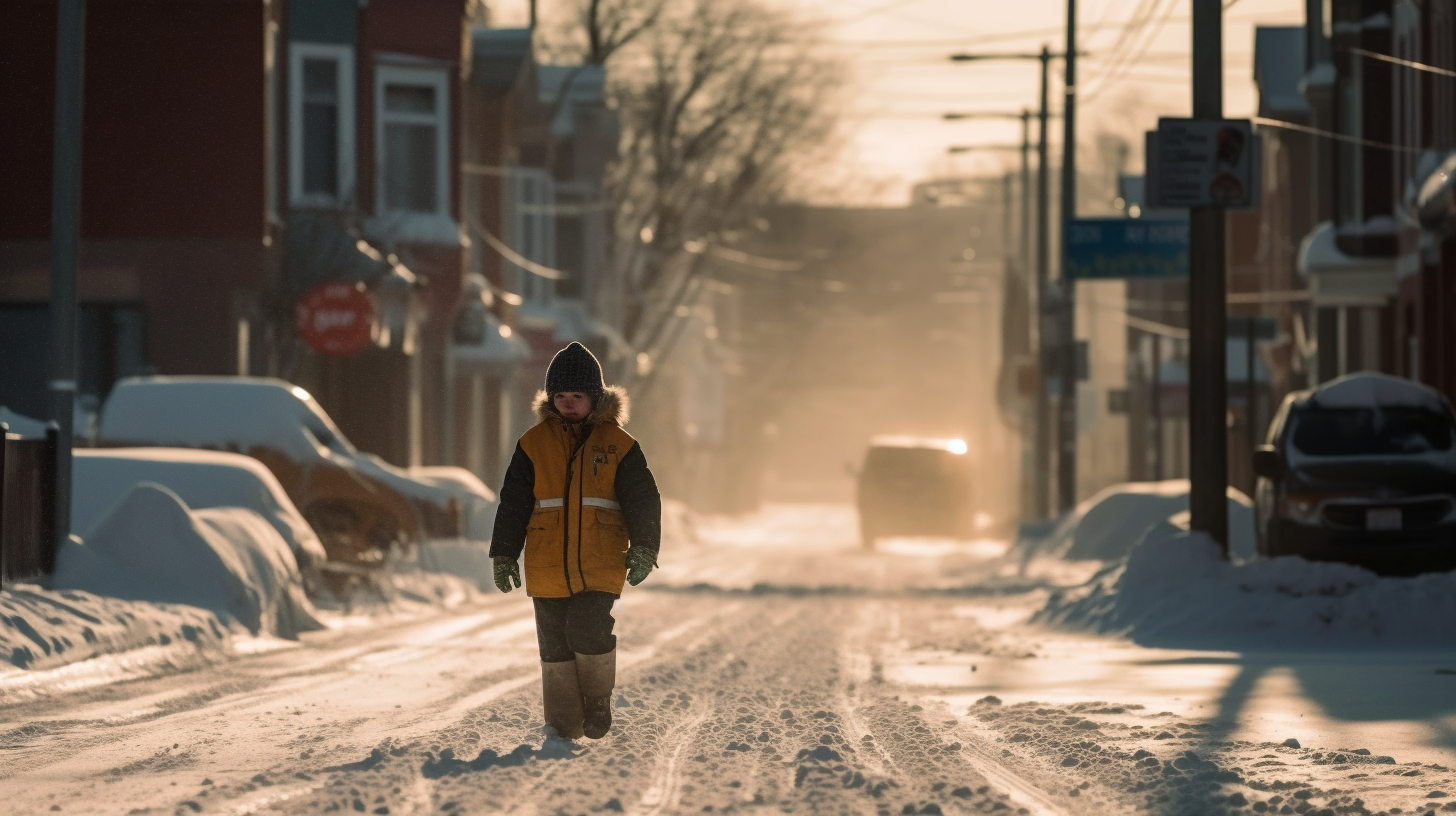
[(1110, 248), (1204, 163)]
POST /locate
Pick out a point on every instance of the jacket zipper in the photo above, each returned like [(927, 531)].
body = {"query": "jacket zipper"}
[(566, 517)]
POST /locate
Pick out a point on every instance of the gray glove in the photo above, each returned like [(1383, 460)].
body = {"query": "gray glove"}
[(507, 572)]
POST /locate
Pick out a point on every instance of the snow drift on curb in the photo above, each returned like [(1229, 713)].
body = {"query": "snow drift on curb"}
[(45, 629), (1175, 590), (1105, 526)]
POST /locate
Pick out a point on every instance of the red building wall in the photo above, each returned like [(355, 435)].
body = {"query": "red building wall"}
[(173, 123), (174, 161)]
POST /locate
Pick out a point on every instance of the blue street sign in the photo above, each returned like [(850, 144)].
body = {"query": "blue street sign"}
[(1110, 248)]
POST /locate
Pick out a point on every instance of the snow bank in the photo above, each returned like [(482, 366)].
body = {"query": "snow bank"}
[(151, 547), (477, 502), (1106, 526), (46, 628), (1175, 590), (202, 479), (453, 556)]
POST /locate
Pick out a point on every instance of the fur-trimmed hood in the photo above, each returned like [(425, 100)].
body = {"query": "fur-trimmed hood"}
[(612, 406)]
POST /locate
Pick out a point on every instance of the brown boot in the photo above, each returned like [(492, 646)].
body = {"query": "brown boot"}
[(561, 699), (598, 676)]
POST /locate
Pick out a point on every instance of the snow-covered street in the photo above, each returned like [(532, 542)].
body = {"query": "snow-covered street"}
[(772, 666)]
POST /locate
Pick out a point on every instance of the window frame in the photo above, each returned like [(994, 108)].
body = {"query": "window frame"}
[(343, 56), (439, 80)]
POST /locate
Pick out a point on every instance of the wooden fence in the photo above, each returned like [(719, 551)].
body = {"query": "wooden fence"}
[(27, 505)]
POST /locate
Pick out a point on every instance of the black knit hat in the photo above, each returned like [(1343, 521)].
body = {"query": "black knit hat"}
[(574, 368)]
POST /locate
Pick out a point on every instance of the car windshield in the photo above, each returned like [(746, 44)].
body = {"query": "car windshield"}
[(1371, 431)]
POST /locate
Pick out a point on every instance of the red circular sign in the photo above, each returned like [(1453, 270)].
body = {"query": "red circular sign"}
[(336, 318)]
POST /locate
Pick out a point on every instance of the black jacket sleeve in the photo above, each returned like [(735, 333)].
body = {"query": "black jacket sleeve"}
[(517, 502), (641, 503)]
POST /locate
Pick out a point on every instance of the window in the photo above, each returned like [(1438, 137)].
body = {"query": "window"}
[(412, 141), (1378, 431), (321, 124), (531, 201)]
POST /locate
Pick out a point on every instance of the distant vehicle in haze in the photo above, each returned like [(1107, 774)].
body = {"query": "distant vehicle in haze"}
[(913, 486), (1361, 470), (361, 506)]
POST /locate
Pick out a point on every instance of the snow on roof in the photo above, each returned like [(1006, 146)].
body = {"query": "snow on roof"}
[(1318, 250), (1321, 75), (1278, 65), (583, 84), (201, 478), (22, 425), (1368, 389), (498, 54)]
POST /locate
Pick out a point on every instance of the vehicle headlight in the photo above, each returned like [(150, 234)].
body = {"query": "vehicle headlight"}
[(1302, 509)]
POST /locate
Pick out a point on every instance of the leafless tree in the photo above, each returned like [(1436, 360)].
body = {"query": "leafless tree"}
[(718, 100), (717, 106)]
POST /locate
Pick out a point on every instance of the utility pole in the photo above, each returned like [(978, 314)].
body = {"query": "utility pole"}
[(1067, 303), (1024, 243), (65, 246), (1207, 375), (1047, 323), (1043, 452)]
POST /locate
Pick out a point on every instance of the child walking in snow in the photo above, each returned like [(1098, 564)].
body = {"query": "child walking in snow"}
[(579, 499)]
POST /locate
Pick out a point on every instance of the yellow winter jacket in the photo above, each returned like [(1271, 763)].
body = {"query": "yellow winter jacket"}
[(576, 523)]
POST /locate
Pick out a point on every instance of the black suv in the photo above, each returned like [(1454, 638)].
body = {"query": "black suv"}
[(1361, 470), (915, 487)]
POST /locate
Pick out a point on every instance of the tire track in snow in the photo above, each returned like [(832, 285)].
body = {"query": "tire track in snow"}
[(974, 750)]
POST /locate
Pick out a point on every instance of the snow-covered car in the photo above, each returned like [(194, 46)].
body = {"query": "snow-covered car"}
[(360, 506), (1362, 470), (913, 486), (203, 479)]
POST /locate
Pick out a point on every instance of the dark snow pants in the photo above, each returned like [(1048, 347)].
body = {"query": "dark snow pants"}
[(581, 624)]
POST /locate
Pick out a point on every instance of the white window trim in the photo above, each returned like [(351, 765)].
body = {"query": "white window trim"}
[(344, 55), (439, 80)]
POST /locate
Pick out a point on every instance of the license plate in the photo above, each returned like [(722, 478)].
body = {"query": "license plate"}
[(1383, 518)]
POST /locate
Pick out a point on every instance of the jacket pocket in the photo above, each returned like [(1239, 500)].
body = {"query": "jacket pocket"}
[(608, 539), (543, 540)]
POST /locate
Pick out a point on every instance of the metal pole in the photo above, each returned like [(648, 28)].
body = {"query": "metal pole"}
[(1250, 414), (1067, 303), (1155, 397), (1008, 192), (1207, 373), (65, 247), (1025, 190), (1043, 464)]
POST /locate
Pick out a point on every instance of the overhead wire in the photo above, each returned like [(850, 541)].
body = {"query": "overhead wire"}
[(1115, 75), (1404, 63), (1338, 137)]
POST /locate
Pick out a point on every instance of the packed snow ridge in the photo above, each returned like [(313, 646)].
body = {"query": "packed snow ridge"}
[(1176, 589)]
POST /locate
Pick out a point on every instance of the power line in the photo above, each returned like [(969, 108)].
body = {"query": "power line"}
[(1418, 66), (1338, 137)]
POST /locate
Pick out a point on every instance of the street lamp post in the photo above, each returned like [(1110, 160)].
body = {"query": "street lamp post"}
[(1047, 323)]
